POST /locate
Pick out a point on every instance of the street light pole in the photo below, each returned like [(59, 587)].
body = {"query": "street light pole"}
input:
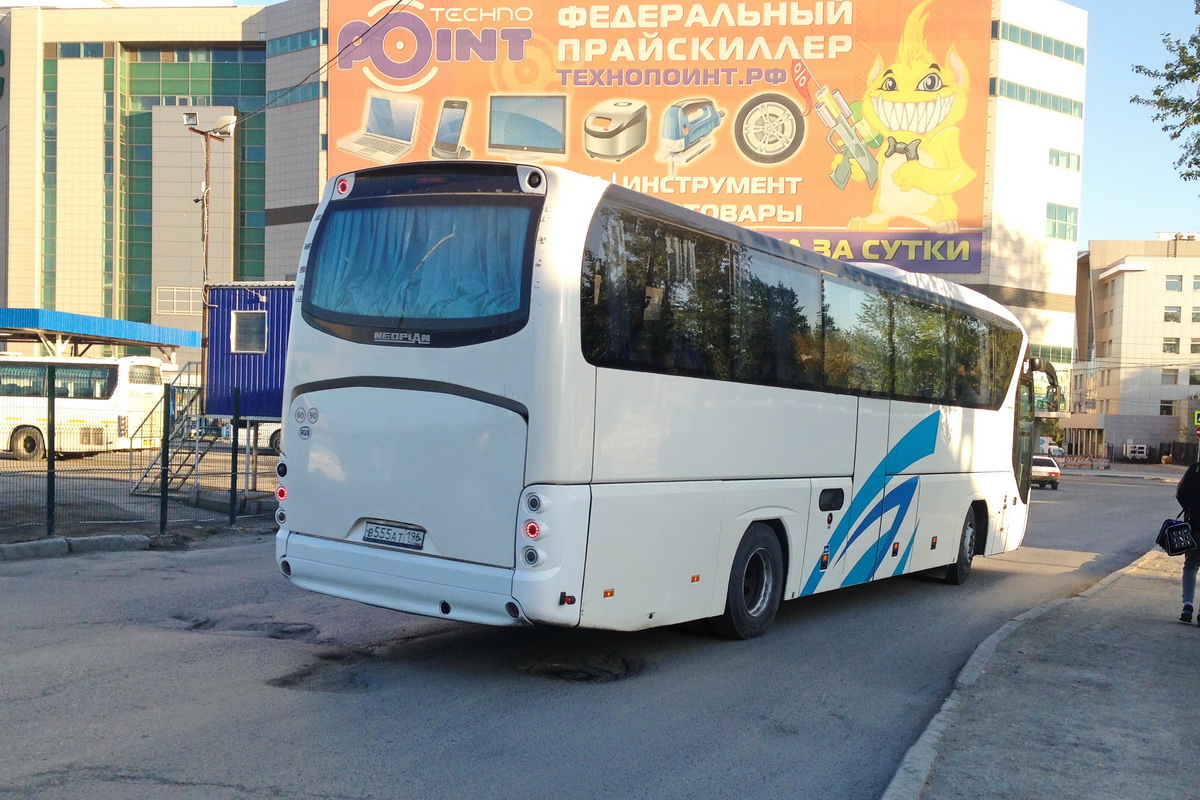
[(222, 131)]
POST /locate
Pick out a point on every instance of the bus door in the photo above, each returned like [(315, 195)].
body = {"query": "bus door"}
[(843, 526), (858, 557)]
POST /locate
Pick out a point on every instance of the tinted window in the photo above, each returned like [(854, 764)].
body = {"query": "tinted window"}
[(857, 325), (659, 297), (777, 325), (450, 265), (656, 297)]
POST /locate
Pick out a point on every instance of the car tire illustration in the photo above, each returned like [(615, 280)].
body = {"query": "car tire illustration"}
[(769, 129)]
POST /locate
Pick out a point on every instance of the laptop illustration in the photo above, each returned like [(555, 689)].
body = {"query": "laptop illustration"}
[(387, 132)]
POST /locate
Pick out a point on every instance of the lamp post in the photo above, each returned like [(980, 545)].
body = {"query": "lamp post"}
[(219, 133), (222, 131)]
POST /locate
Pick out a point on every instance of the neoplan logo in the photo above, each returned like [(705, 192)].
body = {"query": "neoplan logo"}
[(395, 337)]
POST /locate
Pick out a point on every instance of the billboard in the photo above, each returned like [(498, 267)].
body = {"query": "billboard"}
[(857, 128)]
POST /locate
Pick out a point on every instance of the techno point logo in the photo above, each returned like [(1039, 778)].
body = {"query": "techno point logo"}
[(402, 49)]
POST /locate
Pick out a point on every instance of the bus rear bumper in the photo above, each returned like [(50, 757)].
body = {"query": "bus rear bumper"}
[(388, 579)]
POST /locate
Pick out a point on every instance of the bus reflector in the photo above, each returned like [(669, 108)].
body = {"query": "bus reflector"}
[(695, 579), (609, 592), (281, 493)]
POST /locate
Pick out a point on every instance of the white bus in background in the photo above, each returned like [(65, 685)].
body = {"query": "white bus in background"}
[(101, 404), (518, 395)]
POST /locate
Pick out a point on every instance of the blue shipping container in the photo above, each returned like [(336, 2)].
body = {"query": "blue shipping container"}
[(247, 347)]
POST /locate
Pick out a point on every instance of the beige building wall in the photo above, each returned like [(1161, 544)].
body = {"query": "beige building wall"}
[(178, 181), (79, 209), (29, 33), (1142, 383), (23, 167), (296, 162)]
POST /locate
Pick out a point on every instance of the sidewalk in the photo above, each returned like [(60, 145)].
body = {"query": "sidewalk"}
[(1093, 696)]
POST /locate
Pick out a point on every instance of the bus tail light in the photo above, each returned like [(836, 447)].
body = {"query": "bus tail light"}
[(281, 493), (532, 529)]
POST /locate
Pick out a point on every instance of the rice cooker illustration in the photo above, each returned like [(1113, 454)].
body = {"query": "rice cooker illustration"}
[(615, 129), (687, 128)]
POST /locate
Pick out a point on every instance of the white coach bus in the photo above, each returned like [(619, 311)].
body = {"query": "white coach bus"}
[(101, 404), (518, 395)]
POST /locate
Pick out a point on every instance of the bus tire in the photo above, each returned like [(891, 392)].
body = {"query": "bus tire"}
[(957, 573), (275, 442), (755, 586), (27, 444)]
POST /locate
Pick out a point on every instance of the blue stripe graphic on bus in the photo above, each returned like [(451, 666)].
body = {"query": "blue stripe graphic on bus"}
[(868, 501), (901, 498)]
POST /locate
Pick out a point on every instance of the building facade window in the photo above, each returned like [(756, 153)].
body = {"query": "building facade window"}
[(1055, 353), (1170, 377), (998, 87), (1166, 408), (1062, 222), (1194, 377), (184, 300), (1172, 314), (1064, 160), (1170, 344), (1037, 41), (1174, 283), (1195, 347)]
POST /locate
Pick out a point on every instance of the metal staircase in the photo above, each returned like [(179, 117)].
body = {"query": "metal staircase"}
[(190, 437)]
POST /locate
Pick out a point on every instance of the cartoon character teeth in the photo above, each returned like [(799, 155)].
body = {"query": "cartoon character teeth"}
[(915, 104)]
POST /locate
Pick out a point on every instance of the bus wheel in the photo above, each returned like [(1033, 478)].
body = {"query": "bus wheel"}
[(27, 444), (957, 572), (275, 442), (755, 586)]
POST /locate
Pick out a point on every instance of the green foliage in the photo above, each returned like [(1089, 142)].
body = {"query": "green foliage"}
[(1174, 100)]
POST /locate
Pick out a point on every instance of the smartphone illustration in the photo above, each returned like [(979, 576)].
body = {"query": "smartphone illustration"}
[(449, 131)]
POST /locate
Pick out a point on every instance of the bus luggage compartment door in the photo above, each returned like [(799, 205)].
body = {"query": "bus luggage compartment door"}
[(401, 459)]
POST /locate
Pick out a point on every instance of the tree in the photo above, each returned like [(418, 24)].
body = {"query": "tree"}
[(1175, 101)]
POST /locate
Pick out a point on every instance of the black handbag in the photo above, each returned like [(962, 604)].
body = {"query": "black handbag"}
[(1175, 537)]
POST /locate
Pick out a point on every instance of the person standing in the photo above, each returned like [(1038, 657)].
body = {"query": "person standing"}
[(1188, 495)]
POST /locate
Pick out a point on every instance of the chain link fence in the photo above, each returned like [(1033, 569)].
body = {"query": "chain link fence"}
[(77, 465)]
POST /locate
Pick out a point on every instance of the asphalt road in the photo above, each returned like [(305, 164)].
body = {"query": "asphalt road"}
[(203, 674)]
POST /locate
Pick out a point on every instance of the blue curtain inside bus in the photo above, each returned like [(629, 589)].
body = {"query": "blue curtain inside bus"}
[(442, 262)]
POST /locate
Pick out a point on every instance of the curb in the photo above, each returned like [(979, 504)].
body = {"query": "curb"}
[(913, 773), (45, 548)]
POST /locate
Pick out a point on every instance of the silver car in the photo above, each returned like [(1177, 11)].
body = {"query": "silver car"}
[(1046, 472)]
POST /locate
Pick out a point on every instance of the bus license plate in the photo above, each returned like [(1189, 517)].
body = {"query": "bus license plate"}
[(395, 535)]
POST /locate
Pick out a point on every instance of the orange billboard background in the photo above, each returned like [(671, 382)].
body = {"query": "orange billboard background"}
[(858, 128)]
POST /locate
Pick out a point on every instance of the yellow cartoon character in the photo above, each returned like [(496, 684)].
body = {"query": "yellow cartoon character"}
[(915, 105)]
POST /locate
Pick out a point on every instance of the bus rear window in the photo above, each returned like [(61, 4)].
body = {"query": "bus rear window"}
[(439, 268)]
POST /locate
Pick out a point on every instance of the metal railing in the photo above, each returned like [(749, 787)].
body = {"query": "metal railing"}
[(46, 491)]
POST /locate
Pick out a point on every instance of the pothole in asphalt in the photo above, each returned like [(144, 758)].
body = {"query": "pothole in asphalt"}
[(323, 677), (594, 669), (247, 627)]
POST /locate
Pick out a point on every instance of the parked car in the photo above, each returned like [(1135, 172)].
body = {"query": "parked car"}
[(1046, 472)]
